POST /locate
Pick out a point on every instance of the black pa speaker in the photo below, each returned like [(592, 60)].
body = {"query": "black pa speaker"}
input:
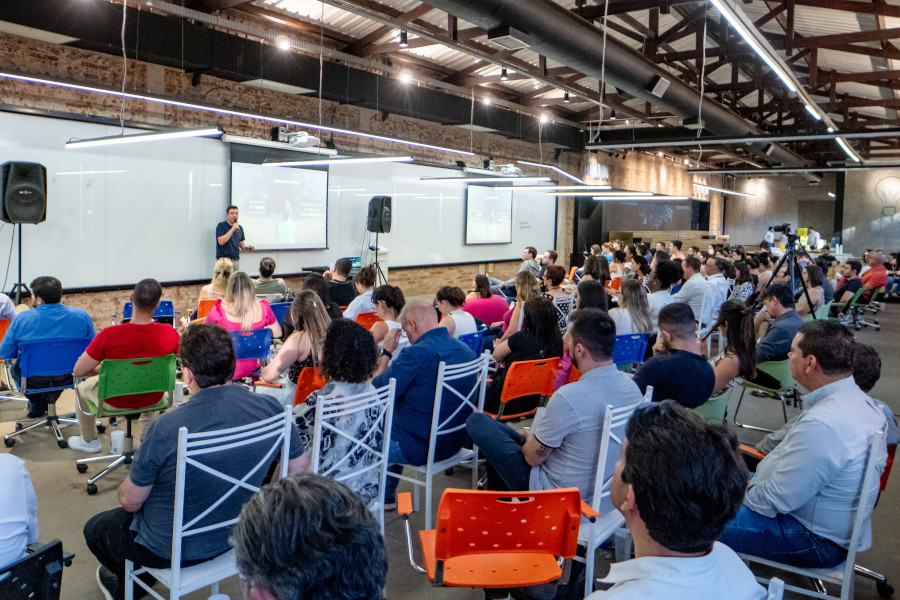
[(379, 220), (24, 192)]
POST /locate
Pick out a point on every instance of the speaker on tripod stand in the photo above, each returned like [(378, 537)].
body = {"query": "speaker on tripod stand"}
[(23, 199), (379, 221)]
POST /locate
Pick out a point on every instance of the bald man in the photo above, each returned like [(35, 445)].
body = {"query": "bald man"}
[(876, 276), (415, 370)]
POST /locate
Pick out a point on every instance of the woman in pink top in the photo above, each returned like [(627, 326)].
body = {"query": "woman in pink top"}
[(241, 311), (482, 304)]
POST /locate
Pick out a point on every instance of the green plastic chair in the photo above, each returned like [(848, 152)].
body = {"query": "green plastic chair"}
[(821, 313), (852, 308), (126, 377), (780, 370), (713, 410)]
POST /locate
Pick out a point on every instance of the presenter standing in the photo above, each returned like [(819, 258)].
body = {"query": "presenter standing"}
[(230, 238)]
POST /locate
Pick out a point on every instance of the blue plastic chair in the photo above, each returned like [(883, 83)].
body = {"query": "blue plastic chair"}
[(46, 358), (253, 344), (475, 341), (165, 310), (280, 309), (630, 349)]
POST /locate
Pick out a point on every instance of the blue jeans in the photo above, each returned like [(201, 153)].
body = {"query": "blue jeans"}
[(501, 445), (893, 286), (782, 538), (396, 460)]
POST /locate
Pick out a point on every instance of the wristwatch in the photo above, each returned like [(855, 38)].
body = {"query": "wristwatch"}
[(386, 353)]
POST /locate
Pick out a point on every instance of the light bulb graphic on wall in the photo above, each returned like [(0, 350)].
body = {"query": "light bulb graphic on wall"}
[(888, 191)]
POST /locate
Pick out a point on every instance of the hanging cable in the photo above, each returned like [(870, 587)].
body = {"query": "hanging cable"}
[(603, 66), (472, 121), (321, 57), (702, 84), (124, 68)]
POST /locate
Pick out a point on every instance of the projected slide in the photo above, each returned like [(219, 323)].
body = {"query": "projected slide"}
[(488, 215), (281, 208)]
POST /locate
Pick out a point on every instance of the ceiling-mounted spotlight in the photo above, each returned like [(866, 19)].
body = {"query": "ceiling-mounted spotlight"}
[(659, 154), (627, 121), (404, 39), (486, 100), (612, 115), (544, 118), (503, 75), (405, 77), (565, 97)]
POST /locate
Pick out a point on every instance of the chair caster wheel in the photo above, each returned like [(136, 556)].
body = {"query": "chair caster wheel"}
[(67, 563), (885, 590), (91, 489), (81, 468), (62, 444), (9, 443), (101, 428), (18, 427)]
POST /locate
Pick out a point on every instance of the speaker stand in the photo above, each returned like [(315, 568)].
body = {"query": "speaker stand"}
[(18, 286), (380, 277)]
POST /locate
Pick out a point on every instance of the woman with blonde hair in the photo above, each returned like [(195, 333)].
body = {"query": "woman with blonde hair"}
[(633, 316), (241, 311), (303, 348), (215, 289), (527, 288)]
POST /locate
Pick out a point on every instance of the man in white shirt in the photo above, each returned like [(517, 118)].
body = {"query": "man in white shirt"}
[(676, 508), (812, 238), (694, 288), (800, 504), (18, 510), (770, 237), (663, 277), (717, 291)]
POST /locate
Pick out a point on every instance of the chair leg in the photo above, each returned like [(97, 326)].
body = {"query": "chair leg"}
[(589, 553), (428, 484), (118, 462), (129, 583)]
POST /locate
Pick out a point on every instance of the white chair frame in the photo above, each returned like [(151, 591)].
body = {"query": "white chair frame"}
[(842, 574), (447, 374), (594, 534), (330, 411), (183, 580)]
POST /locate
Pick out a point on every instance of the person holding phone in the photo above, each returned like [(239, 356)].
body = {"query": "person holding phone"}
[(230, 238)]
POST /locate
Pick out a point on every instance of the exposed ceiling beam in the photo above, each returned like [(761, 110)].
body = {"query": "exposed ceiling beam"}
[(214, 5), (359, 45)]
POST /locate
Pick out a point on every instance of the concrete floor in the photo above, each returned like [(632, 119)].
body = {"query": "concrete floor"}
[(64, 506)]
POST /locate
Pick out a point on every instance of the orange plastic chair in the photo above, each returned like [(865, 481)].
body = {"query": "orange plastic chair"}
[(483, 540), (572, 273), (367, 319), (308, 382), (614, 284), (574, 374), (203, 309), (527, 378)]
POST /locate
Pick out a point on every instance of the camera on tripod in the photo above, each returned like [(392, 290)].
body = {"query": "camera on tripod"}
[(792, 238)]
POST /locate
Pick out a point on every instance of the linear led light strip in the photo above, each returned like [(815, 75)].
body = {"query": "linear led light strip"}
[(114, 140), (600, 194), (630, 198), (223, 111), (487, 179), (724, 191), (557, 169), (583, 188), (337, 161), (848, 150)]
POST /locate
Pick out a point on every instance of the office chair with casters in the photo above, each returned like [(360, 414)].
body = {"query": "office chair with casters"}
[(499, 539), (780, 371), (128, 377), (4, 325), (37, 575), (280, 309), (527, 378), (47, 358), (200, 454), (849, 312), (842, 574)]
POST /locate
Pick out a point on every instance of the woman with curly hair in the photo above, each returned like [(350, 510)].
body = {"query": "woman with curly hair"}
[(348, 361)]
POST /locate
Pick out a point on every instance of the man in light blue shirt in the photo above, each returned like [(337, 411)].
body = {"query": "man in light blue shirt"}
[(800, 505)]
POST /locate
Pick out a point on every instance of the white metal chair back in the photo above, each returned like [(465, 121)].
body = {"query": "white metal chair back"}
[(361, 426), (192, 447), (470, 399), (613, 433), (843, 574)]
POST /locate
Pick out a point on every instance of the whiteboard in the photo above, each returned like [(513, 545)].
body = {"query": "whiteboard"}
[(117, 214)]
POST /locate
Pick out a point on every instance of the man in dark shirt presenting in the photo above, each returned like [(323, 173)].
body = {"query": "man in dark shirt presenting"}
[(230, 238), (677, 371)]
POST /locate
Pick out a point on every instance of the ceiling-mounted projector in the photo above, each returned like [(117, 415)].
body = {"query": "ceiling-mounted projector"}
[(510, 170), (302, 139)]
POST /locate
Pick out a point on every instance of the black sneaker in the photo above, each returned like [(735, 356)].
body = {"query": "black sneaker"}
[(390, 504), (107, 582)]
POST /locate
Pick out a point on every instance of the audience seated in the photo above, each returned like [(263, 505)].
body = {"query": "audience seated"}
[(588, 294), (309, 537), (717, 290), (18, 510), (365, 285), (340, 288), (316, 283), (597, 268), (738, 360), (415, 370), (827, 288), (26, 300), (743, 282), (303, 346), (633, 312), (139, 338), (449, 301), (389, 303), (265, 283), (50, 319), (140, 530), (7, 308), (348, 361), (848, 285), (800, 504), (529, 265), (765, 270), (659, 282), (694, 288), (215, 289), (675, 249), (561, 448), (547, 259), (775, 343), (617, 266), (678, 370), (676, 508), (482, 304), (538, 338), (813, 278), (658, 257), (241, 311), (876, 276), (526, 289), (563, 303)]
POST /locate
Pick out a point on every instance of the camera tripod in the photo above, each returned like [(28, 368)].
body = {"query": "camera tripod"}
[(790, 256)]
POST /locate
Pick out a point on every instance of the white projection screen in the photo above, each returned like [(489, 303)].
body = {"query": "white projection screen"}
[(281, 208), (488, 214)]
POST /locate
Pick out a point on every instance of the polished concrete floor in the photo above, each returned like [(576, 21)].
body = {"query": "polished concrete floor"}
[(64, 506)]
